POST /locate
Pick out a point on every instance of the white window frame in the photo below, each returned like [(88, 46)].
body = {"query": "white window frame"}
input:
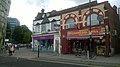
[(43, 30), (70, 24), (94, 20)]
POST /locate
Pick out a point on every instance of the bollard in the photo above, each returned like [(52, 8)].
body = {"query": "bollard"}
[(38, 51)]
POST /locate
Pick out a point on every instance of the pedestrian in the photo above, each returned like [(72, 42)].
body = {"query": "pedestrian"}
[(10, 52), (77, 49), (13, 48)]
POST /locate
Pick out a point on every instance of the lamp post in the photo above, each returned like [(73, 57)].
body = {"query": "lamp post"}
[(107, 42), (33, 40), (90, 33), (32, 37), (38, 50)]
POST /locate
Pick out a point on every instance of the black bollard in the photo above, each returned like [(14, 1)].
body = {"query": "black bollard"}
[(38, 51)]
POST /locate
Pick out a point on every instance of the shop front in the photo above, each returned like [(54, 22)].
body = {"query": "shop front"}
[(81, 39), (45, 42)]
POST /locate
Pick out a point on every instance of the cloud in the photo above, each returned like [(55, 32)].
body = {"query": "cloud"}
[(81, 1), (115, 2), (38, 2), (50, 5), (60, 4)]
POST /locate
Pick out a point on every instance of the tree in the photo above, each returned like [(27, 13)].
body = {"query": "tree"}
[(27, 37), (26, 34), (22, 34), (17, 34)]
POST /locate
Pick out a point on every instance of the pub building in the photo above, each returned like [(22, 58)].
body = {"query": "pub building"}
[(103, 29)]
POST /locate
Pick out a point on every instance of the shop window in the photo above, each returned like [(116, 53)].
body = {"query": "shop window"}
[(44, 44), (100, 46), (70, 23), (50, 44), (93, 19), (100, 41)]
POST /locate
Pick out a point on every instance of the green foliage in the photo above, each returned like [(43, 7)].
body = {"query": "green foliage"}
[(17, 35), (27, 37), (22, 34)]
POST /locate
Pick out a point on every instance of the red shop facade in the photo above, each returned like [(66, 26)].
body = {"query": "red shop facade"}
[(75, 29)]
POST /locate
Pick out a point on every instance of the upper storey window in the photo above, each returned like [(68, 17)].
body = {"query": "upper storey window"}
[(93, 19), (70, 23)]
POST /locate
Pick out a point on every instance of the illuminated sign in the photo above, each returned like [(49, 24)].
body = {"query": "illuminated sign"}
[(83, 32)]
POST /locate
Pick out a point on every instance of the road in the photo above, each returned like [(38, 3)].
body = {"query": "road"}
[(19, 62)]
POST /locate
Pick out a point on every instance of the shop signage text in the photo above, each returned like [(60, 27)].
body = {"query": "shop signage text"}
[(83, 32)]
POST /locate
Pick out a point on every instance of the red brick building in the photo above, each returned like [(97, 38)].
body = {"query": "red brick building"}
[(75, 28)]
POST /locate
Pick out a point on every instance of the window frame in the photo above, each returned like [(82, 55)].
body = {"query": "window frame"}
[(70, 24), (94, 20)]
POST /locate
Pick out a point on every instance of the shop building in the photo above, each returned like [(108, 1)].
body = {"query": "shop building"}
[(76, 28), (46, 32)]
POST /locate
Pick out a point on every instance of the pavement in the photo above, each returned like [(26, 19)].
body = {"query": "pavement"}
[(113, 61)]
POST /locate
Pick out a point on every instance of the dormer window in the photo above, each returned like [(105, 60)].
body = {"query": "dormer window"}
[(38, 27)]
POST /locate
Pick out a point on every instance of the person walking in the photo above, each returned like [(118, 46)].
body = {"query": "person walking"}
[(77, 49), (11, 50)]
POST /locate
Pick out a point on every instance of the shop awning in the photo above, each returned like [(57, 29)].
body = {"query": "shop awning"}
[(83, 37), (43, 37)]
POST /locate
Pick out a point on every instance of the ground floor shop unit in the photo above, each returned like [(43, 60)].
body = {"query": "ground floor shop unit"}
[(97, 45), (46, 43), (100, 42)]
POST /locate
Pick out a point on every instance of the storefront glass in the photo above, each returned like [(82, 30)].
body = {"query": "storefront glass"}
[(100, 46)]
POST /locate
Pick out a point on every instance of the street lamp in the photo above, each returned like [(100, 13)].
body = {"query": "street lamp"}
[(90, 33), (38, 50), (33, 43), (107, 41)]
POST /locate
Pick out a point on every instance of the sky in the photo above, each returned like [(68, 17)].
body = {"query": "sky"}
[(26, 10)]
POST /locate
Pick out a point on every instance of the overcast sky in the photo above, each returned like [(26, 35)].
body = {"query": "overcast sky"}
[(26, 10)]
